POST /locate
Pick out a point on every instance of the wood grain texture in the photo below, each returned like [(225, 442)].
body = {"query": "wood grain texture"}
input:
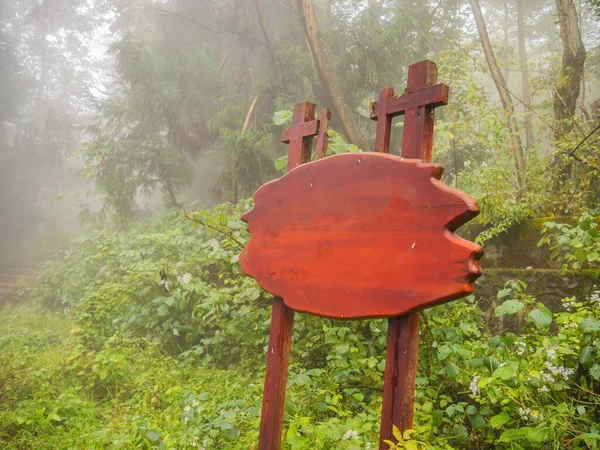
[(323, 137), (361, 235), (402, 351), (384, 120), (299, 137), (278, 355), (399, 379), (300, 134), (395, 106)]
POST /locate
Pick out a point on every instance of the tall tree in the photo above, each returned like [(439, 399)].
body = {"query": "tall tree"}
[(328, 77), (505, 96), (524, 74), (571, 74)]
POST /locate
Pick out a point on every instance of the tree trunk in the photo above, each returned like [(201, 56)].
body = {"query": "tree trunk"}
[(327, 76), (374, 12), (264, 26), (502, 90), (524, 75), (506, 62), (568, 84)]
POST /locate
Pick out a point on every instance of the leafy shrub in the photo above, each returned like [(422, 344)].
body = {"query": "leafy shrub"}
[(578, 245), (536, 389), (168, 350)]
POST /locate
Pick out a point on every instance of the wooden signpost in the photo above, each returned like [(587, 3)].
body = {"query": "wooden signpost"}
[(361, 235)]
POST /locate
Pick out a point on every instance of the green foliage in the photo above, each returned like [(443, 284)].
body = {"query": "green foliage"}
[(166, 339), (578, 245), (531, 389), (248, 166)]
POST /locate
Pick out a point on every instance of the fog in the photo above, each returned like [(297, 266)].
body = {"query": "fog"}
[(119, 109)]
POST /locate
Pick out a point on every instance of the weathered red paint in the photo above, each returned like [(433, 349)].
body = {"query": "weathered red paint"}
[(313, 227), (360, 235), (402, 352), (299, 135), (323, 137)]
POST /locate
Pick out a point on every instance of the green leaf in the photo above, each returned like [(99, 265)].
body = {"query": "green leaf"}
[(542, 319), (590, 324), (586, 356), (595, 372), (162, 310), (505, 372), (452, 370), (581, 254), (153, 435), (282, 117), (539, 434), (280, 163), (477, 421), (471, 410), (234, 225), (342, 348), (397, 434), (302, 379), (504, 292), (436, 418), (509, 307), (509, 435), (499, 419)]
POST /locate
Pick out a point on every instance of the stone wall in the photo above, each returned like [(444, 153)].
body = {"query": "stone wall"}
[(515, 255)]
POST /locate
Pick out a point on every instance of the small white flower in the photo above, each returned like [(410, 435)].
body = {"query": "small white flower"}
[(551, 354), (548, 378), (350, 434), (524, 413), (473, 387), (544, 388), (434, 344), (187, 408), (185, 279), (536, 415)]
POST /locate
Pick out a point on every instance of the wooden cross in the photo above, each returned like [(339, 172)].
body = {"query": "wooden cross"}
[(417, 104), (299, 135), (402, 354), (312, 268)]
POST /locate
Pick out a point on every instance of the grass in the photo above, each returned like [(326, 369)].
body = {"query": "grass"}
[(56, 394)]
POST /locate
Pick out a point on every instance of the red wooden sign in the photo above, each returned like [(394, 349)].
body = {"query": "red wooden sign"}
[(361, 235)]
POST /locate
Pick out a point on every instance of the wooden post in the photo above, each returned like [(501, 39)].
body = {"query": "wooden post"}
[(323, 137), (299, 135), (402, 352)]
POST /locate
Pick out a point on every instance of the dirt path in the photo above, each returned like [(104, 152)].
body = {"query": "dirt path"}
[(14, 278)]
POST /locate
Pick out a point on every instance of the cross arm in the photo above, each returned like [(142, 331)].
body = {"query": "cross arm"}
[(303, 129), (430, 97)]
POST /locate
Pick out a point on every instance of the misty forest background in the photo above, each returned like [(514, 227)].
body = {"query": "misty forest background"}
[(140, 331)]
